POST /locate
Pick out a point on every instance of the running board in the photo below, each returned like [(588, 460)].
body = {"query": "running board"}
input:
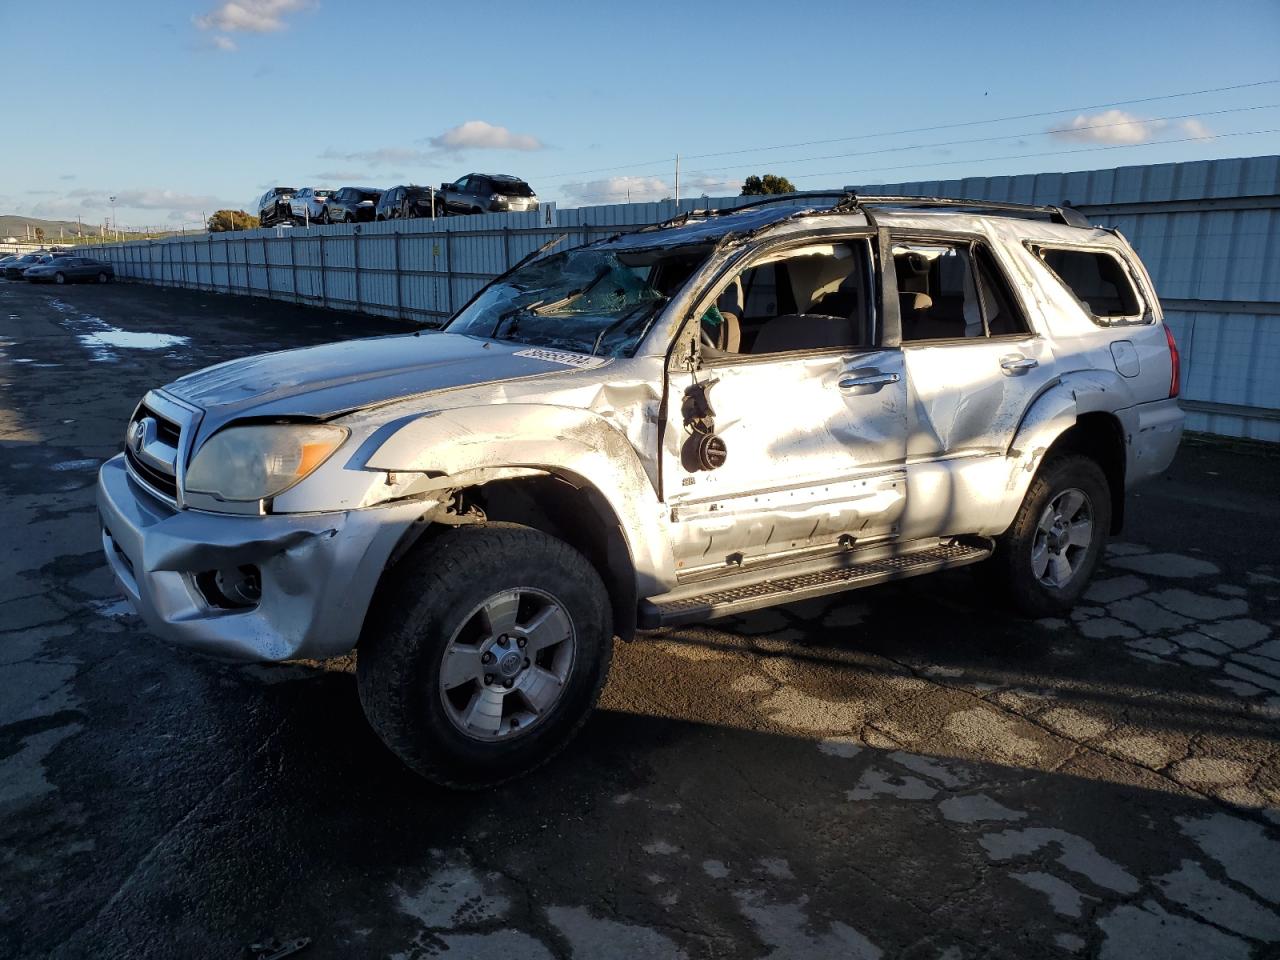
[(681, 606)]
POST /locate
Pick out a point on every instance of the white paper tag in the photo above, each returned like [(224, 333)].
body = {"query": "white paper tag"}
[(581, 361)]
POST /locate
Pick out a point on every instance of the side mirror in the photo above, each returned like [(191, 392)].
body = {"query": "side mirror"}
[(446, 186)]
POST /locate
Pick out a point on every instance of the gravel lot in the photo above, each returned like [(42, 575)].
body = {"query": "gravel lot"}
[(901, 772)]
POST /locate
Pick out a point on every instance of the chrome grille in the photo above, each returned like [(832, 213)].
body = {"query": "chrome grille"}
[(153, 445)]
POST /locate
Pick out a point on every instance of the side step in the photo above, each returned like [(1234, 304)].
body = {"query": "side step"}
[(682, 607)]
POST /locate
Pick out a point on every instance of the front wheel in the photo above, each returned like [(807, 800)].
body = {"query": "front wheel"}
[(102, 277), (484, 653), (59, 278), (1046, 558)]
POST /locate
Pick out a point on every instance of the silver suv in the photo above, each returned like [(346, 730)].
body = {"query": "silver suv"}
[(721, 413)]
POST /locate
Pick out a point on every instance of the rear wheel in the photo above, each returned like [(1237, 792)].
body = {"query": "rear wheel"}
[(59, 278), (1048, 555), (483, 655), (102, 277)]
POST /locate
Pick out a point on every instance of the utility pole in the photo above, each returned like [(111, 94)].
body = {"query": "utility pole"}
[(677, 183), (115, 224), (79, 227)]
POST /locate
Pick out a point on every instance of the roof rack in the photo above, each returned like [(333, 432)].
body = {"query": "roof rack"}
[(1066, 215), (849, 202)]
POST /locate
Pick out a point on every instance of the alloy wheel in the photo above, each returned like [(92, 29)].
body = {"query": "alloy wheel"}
[(506, 667), (1062, 539)]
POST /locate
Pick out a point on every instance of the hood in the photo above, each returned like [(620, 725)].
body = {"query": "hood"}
[(336, 378)]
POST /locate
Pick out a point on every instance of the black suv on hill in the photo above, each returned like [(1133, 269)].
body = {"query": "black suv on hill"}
[(350, 205), (273, 206), (401, 203)]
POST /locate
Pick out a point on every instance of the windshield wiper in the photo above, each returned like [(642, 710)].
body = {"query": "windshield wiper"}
[(595, 347), (508, 314)]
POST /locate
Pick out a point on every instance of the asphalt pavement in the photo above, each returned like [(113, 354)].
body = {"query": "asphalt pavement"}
[(906, 771)]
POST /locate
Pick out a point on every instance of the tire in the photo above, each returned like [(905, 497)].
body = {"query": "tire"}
[(1044, 561), (324, 215), (444, 603), (102, 277), (59, 278)]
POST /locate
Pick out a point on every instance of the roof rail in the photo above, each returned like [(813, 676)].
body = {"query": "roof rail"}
[(850, 202), (1066, 215)]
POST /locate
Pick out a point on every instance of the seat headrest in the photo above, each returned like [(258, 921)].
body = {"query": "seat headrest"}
[(731, 299), (912, 302)]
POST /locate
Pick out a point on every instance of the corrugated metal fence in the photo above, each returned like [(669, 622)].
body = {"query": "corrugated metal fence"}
[(1209, 233), (420, 270)]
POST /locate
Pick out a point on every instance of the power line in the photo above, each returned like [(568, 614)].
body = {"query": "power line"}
[(1009, 136), (1012, 156), (929, 129), (1045, 153)]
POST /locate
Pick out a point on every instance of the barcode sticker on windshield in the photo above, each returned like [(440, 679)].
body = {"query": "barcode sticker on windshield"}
[(578, 360)]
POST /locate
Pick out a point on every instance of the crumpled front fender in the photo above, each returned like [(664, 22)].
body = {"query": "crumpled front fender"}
[(570, 442)]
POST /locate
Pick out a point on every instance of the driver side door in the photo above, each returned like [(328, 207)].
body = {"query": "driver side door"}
[(807, 409)]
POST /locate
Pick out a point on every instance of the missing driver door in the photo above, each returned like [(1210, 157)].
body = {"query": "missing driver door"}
[(795, 441)]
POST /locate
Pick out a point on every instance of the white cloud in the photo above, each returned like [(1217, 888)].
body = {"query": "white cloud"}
[(385, 156), (1112, 126), (223, 43), (250, 16), (479, 135), (336, 178), (1117, 127), (1196, 128), (619, 189), (636, 189)]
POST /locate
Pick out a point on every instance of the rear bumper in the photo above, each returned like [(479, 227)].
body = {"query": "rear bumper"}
[(1154, 430), (318, 571)]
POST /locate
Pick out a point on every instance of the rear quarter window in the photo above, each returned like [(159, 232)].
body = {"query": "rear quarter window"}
[(1100, 282)]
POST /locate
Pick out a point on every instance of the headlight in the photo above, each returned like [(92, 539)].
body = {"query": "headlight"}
[(253, 463)]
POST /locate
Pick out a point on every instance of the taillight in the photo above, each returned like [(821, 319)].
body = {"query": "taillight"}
[(1175, 375)]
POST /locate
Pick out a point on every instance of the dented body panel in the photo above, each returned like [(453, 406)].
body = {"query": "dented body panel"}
[(703, 460)]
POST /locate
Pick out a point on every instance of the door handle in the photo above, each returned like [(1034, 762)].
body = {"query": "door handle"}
[(868, 382), (1016, 365)]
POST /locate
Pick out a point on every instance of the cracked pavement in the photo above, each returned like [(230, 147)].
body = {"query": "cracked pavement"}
[(905, 771)]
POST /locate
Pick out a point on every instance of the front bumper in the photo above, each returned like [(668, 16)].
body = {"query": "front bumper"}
[(318, 571)]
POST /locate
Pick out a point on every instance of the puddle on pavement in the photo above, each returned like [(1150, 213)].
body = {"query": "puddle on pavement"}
[(103, 340), (102, 344), (88, 464)]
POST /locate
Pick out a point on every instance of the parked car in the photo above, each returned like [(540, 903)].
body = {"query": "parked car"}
[(401, 203), (273, 206), (655, 429), (69, 268), (350, 205), (14, 269), (308, 202), (487, 193)]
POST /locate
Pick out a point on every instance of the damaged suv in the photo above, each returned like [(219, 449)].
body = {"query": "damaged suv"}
[(721, 413)]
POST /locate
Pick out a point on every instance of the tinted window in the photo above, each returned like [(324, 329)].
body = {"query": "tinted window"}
[(953, 291), (1097, 279), (513, 188)]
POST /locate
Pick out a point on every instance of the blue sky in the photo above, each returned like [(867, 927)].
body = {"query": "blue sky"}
[(182, 106)]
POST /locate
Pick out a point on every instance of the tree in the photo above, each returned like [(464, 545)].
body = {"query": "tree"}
[(223, 220), (755, 186), (39, 234)]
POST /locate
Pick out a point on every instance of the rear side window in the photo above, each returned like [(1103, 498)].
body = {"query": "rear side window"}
[(1098, 280)]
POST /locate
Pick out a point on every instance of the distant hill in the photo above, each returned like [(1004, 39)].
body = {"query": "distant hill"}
[(12, 225)]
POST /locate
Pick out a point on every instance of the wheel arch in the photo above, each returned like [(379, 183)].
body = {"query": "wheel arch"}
[(563, 471), (1077, 414)]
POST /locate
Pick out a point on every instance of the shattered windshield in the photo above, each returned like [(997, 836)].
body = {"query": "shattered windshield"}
[(592, 300)]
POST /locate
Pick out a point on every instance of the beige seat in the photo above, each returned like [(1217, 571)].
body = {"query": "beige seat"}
[(730, 304)]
